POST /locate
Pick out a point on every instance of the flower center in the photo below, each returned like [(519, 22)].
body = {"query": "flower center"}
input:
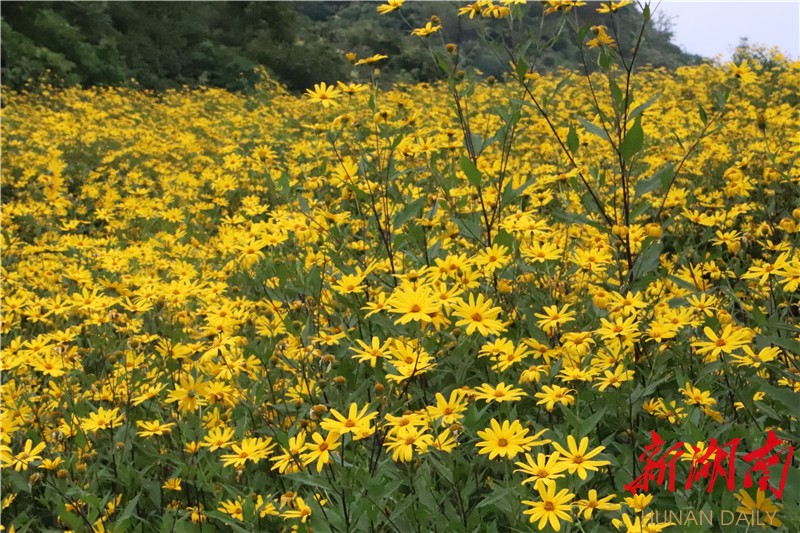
[(502, 442)]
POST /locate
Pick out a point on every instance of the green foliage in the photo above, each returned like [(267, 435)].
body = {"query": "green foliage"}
[(164, 45)]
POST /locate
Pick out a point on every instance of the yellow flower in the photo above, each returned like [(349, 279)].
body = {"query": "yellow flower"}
[(742, 72), (23, 459), (172, 484), (218, 438), (544, 468), (552, 318), (592, 502), (390, 6), (324, 94), (102, 419), (153, 428), (611, 7), (300, 510), (371, 59), (232, 508), (577, 458), (551, 507), (507, 440), (356, 422), (251, 449), (427, 29), (405, 440), (320, 449), (555, 394), (416, 304), (478, 314), (762, 504), (500, 393)]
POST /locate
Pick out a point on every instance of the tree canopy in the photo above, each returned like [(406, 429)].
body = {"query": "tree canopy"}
[(170, 44)]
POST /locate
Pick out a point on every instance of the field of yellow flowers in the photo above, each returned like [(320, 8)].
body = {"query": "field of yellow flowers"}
[(345, 311)]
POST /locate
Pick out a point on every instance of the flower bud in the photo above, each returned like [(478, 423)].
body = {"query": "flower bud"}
[(654, 230)]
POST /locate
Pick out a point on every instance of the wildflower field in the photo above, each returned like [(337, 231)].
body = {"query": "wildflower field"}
[(470, 306)]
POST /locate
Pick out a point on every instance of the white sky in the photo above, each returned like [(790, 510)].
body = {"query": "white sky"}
[(709, 27)]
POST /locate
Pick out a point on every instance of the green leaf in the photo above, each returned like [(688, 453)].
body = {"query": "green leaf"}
[(591, 128), (521, 69), (411, 210), (702, 113), (648, 261), (604, 59), (633, 141), (472, 172), (641, 108), (572, 140), (786, 397), (616, 94), (661, 179)]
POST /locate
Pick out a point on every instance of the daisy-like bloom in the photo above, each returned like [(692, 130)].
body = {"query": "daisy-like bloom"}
[(592, 502), (417, 304), (755, 360), (299, 510), (500, 393), (696, 396), (541, 251), (614, 379), (611, 7), (601, 38), (390, 6), (552, 318), (545, 468), (253, 449), (369, 352), (640, 524), (449, 410), (765, 508), (172, 484), (51, 464), (478, 314), (638, 502), (289, 461), (763, 271), (371, 59), (727, 341), (507, 440), (320, 449), (218, 438), (555, 394), (626, 330), (493, 258), (445, 441), (426, 30), (627, 305), (562, 6), (266, 507), (356, 422), (232, 508), (742, 72), (324, 94), (189, 393), (23, 459), (405, 440), (102, 419), (577, 458), (153, 428), (551, 508)]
